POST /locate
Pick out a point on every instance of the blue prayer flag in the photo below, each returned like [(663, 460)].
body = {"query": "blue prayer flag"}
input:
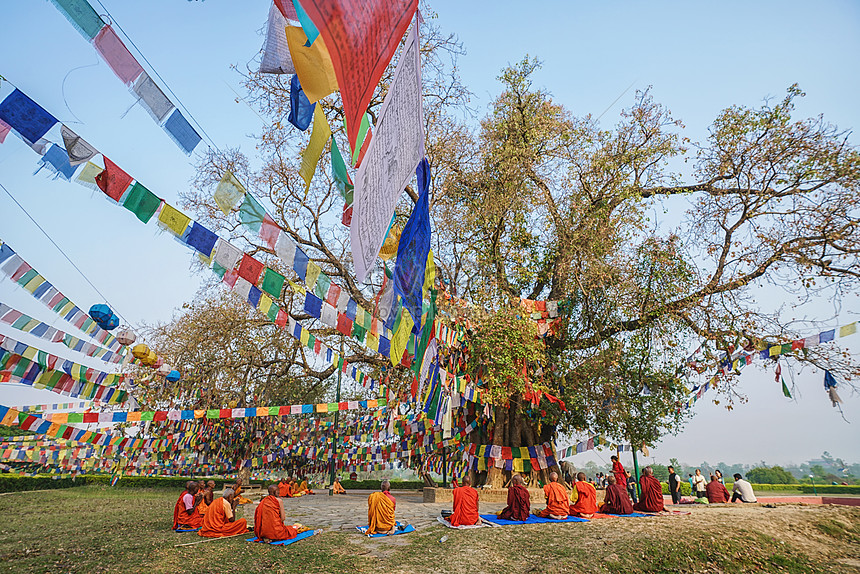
[(413, 250), (313, 305), (201, 239), (301, 108), (254, 296), (300, 264), (181, 131), (26, 116), (58, 159)]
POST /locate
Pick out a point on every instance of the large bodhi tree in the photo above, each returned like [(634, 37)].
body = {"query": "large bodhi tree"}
[(537, 203)]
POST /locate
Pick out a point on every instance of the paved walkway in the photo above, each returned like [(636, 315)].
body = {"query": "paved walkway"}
[(346, 511)]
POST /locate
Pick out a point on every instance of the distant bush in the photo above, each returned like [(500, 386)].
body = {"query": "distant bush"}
[(830, 489), (685, 488), (770, 475)]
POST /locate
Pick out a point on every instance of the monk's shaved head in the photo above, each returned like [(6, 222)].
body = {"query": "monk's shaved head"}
[(273, 490), (385, 486), (210, 484), (189, 485), (467, 481), (228, 493), (611, 479), (518, 479), (553, 476), (580, 476)]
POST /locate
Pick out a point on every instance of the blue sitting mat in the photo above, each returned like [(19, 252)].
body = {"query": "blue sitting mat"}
[(406, 530), (301, 536), (187, 529), (631, 515), (532, 520)]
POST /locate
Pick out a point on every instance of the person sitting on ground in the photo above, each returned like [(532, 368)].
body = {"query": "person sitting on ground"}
[(337, 488), (186, 512), (717, 493), (294, 488), (652, 492), (616, 500), (742, 490), (303, 488), (380, 511), (208, 496), (220, 519), (618, 471), (465, 505), (269, 519), (586, 498), (284, 488), (518, 501), (557, 503)]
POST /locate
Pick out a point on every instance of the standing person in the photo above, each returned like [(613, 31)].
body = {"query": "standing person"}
[(698, 484), (631, 488), (674, 486), (618, 471), (742, 490), (692, 490)]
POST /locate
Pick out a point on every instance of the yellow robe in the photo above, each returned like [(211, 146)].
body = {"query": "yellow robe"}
[(380, 513)]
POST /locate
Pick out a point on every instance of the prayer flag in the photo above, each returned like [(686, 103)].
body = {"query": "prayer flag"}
[(362, 36), (276, 51), (113, 181), (273, 282), (141, 202), (151, 98), (250, 269), (227, 255), (339, 173), (25, 116), (414, 248), (308, 26), (251, 213), (81, 15), (313, 65), (87, 177), (287, 9), (301, 109), (178, 128), (57, 161), (228, 193), (116, 55), (78, 150), (311, 156), (401, 337), (172, 219), (201, 239)]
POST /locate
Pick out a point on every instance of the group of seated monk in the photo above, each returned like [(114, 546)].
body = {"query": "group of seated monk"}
[(290, 488), (189, 508)]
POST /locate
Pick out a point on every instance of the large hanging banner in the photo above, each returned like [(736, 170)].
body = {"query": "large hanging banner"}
[(361, 37), (391, 159)]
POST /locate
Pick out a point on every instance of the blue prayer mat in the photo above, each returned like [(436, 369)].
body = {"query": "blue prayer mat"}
[(406, 530), (301, 536), (532, 520), (187, 529)]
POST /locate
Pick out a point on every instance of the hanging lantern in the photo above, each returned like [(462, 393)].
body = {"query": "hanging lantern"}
[(150, 358), (173, 376), (111, 324), (163, 369), (101, 314), (158, 362), (140, 351), (126, 336)]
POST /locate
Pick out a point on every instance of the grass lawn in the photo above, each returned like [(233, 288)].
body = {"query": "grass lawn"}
[(103, 529)]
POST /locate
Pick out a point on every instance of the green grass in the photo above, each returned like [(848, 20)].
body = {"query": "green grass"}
[(102, 529)]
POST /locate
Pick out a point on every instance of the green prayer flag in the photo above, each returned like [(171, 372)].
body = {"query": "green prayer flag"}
[(274, 411), (218, 270), (339, 174), (358, 332), (273, 312), (147, 415), (141, 202), (81, 15), (273, 283), (785, 390), (76, 417), (213, 413), (251, 214), (322, 286)]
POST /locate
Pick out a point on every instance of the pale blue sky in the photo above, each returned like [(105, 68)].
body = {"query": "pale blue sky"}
[(699, 58)]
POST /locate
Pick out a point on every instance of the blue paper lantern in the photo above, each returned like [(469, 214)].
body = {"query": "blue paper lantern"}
[(111, 323), (101, 313), (173, 376)]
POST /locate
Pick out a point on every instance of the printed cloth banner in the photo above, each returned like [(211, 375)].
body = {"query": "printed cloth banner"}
[(26, 116), (311, 156), (276, 51), (312, 64), (394, 152), (79, 151), (301, 109), (141, 202), (228, 193), (116, 55), (151, 98), (57, 161), (113, 181), (413, 249), (173, 220), (185, 136), (362, 36), (4, 131), (81, 15)]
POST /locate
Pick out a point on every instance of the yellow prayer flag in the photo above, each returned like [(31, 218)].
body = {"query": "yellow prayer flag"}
[(305, 336), (848, 329), (173, 220), (312, 63), (392, 241), (429, 273), (133, 416), (322, 408), (774, 351), (60, 418), (372, 342), (11, 418), (312, 275), (199, 414), (265, 303), (297, 288), (34, 283), (311, 156), (228, 193), (89, 173), (401, 338)]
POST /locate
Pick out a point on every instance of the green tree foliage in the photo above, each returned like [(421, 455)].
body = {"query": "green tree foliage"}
[(770, 475)]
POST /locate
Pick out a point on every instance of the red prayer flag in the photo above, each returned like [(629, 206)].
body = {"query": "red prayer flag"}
[(250, 269), (344, 324), (361, 37), (269, 231), (347, 215), (287, 9), (281, 319), (113, 181)]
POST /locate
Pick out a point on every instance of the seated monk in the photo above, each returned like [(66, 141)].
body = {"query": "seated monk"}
[(652, 492), (616, 501), (336, 488), (303, 488), (716, 491), (237, 490), (518, 501), (186, 512), (586, 498), (208, 493), (465, 505), (557, 504), (269, 519), (284, 490), (220, 519), (294, 488), (380, 511)]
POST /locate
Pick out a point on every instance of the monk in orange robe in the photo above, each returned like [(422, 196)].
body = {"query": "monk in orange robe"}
[(618, 471), (208, 492), (269, 519), (465, 505), (337, 487), (586, 498), (652, 492), (303, 488), (186, 513), (518, 501), (220, 519), (380, 511), (557, 503), (284, 489), (616, 501)]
